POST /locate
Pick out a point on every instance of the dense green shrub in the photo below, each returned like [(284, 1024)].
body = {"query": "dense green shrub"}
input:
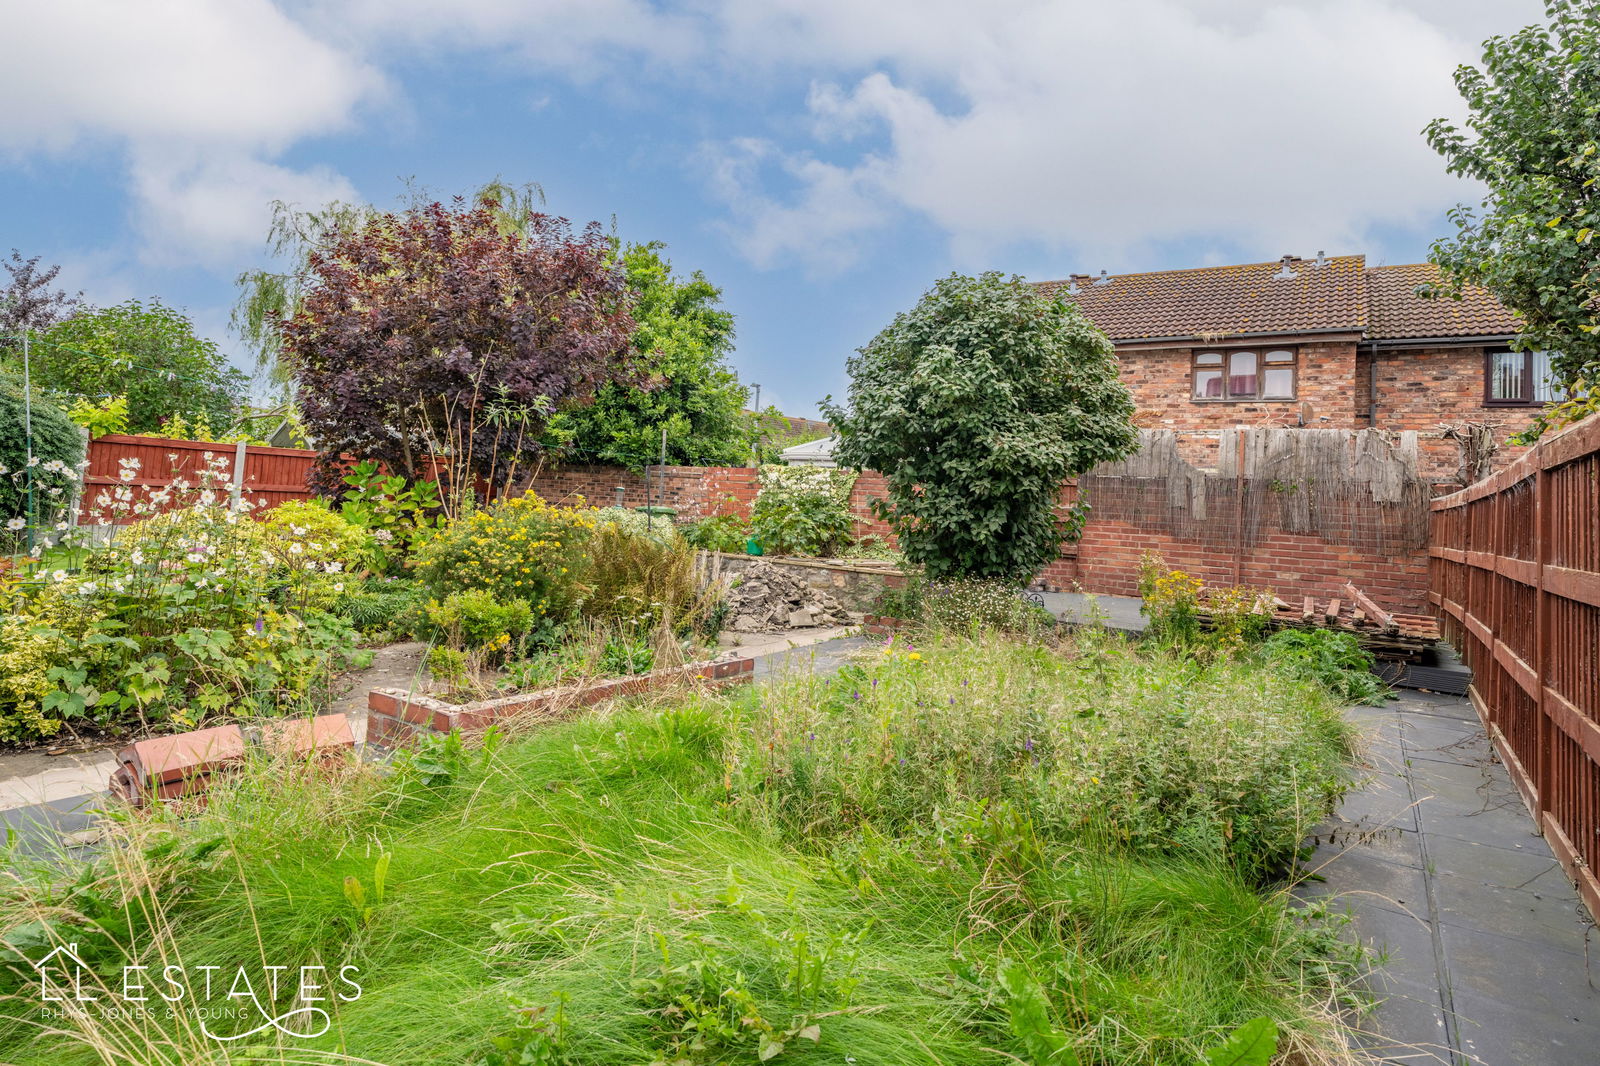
[(976, 405), (659, 528), (803, 510), (718, 533), (324, 535), (520, 548), (475, 620), (57, 449)]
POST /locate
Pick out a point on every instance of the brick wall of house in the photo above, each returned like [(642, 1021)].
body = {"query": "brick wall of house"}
[(1417, 389)]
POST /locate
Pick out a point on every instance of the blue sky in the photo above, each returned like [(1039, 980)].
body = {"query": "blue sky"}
[(821, 160)]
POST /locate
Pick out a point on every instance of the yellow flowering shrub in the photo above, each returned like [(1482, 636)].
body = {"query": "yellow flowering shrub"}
[(518, 549), (1171, 600)]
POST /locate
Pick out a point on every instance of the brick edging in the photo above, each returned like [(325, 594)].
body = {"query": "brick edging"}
[(183, 764), (396, 718)]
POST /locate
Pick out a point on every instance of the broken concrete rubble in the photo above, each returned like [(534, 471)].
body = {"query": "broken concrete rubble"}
[(766, 599)]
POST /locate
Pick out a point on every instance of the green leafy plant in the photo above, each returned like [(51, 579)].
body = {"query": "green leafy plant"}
[(976, 405), (398, 514), (1530, 140), (720, 533), (1171, 600), (57, 451), (803, 510), (1252, 1044), (475, 620), (108, 416), (1334, 660), (1029, 1012)]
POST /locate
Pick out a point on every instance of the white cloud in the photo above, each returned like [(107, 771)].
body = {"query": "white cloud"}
[(1104, 129), (200, 95), (205, 206)]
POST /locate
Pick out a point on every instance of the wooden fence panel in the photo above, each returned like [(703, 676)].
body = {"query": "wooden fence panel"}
[(271, 475), (1515, 578)]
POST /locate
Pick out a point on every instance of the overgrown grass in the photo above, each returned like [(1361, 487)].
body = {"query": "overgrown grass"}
[(703, 881)]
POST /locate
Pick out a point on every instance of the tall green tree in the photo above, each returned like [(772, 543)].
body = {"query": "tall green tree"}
[(976, 405), (680, 360), (1531, 137), (145, 351)]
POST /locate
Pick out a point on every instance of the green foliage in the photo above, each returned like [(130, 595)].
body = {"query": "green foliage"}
[(976, 405), (803, 510), (1336, 661), (1533, 108), (146, 352), (110, 416), (1171, 600), (1253, 1044), (398, 514), (376, 608), (964, 605), (719, 533), (519, 548), (194, 613), (324, 536), (618, 880), (1228, 762), (57, 450), (658, 528), (1029, 1011), (680, 353), (475, 620), (639, 583)]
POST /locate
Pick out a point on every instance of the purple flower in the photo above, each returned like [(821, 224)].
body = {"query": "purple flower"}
[(902, 760), (811, 736), (855, 695), (1028, 745), (261, 624), (952, 701)]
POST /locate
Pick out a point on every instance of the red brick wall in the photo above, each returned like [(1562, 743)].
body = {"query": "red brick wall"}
[(1418, 389), (695, 492)]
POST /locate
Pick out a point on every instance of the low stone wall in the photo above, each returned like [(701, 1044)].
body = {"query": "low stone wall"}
[(858, 587), (396, 719)]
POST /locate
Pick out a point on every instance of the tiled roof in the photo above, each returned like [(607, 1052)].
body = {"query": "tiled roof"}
[(1340, 294), (1395, 310), (1215, 301)]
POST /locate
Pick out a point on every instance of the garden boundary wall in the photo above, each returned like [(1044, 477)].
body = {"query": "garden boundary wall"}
[(1516, 581), (1295, 510)]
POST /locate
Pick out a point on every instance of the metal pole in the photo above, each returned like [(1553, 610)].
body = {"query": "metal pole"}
[(755, 427), (27, 432)]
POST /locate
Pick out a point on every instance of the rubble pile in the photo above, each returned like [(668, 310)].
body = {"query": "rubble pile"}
[(765, 599)]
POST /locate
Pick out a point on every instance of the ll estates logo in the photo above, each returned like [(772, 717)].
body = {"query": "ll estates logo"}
[(230, 1003)]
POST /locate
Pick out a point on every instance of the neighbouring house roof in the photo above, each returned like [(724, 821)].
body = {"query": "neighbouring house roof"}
[(811, 453), (1334, 294), (1395, 310)]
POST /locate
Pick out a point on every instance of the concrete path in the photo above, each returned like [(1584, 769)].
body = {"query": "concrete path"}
[(1114, 612), (1491, 958)]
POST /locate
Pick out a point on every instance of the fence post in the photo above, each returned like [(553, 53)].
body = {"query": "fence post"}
[(236, 484)]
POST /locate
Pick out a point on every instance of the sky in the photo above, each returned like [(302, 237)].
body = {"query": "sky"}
[(822, 161)]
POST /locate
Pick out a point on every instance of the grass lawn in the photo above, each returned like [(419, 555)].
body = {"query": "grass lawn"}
[(970, 851)]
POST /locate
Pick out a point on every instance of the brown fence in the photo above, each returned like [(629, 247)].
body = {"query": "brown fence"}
[(265, 476), (1515, 575)]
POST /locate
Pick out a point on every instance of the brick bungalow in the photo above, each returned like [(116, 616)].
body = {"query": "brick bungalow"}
[(1319, 343)]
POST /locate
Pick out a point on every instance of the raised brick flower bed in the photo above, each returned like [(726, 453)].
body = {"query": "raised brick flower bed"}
[(396, 718)]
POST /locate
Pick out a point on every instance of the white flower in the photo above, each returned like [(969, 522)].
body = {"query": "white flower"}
[(87, 588), (62, 527), (295, 549), (298, 531), (382, 536), (38, 550), (118, 585), (16, 524), (334, 568), (4, 469), (59, 576), (129, 473), (137, 558), (311, 564), (338, 586), (196, 557)]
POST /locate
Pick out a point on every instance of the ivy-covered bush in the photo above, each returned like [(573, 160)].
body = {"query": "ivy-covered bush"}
[(803, 510), (57, 451), (517, 549)]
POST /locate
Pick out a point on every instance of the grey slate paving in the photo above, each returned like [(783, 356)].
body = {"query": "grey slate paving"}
[(1488, 958)]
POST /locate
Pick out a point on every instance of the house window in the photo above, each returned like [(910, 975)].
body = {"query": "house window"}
[(1518, 379), (1242, 375)]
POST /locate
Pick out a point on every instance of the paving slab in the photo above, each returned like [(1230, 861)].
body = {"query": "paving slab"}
[(1485, 948)]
